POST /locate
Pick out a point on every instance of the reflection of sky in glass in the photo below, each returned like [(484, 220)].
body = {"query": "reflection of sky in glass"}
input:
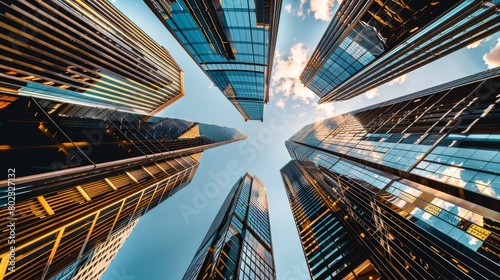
[(467, 168), (242, 79), (440, 214)]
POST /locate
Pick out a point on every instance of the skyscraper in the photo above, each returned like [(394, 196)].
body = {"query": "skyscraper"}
[(369, 43), (232, 41), (238, 243), (329, 247), (82, 174), (84, 52), (101, 257), (418, 178)]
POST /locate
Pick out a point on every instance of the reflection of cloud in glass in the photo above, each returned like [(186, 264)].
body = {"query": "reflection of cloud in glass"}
[(452, 175), (447, 206), (438, 202), (415, 211), (472, 240), (470, 216), (400, 203), (323, 128), (447, 176), (480, 184), (426, 216)]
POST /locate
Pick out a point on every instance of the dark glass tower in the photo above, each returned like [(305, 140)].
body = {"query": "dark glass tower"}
[(238, 243), (84, 52), (418, 178), (329, 247), (82, 174), (369, 43), (232, 41)]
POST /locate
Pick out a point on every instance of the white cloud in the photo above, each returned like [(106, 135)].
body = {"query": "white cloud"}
[(475, 44), (492, 59), (281, 103), (322, 9), (287, 85), (210, 86), (300, 11), (325, 110), (286, 76), (303, 114), (399, 80), (372, 93)]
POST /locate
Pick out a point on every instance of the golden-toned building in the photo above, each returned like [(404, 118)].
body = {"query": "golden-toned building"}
[(81, 174), (84, 52)]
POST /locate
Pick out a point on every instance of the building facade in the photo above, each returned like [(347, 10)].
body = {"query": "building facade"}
[(97, 262), (232, 41), (330, 248), (84, 52), (82, 174), (418, 178), (369, 43), (238, 243)]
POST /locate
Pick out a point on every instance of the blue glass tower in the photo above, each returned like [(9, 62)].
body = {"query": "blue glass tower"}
[(232, 41), (330, 247), (369, 43), (417, 178), (238, 243)]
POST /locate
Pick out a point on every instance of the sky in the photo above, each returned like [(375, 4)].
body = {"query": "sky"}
[(166, 239)]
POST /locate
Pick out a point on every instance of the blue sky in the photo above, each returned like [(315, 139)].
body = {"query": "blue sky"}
[(166, 239)]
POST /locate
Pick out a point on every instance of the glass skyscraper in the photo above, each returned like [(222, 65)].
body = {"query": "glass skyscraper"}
[(82, 175), (418, 178), (238, 243), (97, 263), (369, 43), (84, 52), (232, 41), (329, 247)]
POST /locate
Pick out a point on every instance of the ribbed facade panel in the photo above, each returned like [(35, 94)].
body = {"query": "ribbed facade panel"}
[(84, 52), (83, 174)]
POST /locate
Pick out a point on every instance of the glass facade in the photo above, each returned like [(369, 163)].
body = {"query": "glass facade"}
[(238, 244), (381, 40), (97, 262), (83, 174), (84, 52), (232, 41), (330, 248), (417, 177), (48, 136)]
